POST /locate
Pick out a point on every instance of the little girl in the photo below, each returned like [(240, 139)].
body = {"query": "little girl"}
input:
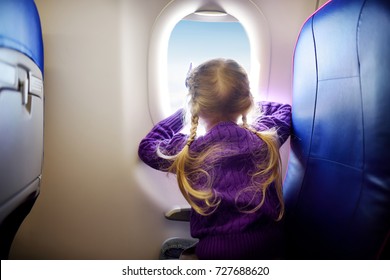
[(231, 176)]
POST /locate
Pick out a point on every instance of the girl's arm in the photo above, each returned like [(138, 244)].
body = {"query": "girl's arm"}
[(163, 137), (274, 115)]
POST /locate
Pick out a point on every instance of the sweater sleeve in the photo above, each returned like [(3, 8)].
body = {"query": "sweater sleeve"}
[(165, 138), (274, 115)]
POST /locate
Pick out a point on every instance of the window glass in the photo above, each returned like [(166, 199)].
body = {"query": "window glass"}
[(197, 41)]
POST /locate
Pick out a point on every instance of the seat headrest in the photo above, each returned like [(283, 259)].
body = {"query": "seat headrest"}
[(20, 29)]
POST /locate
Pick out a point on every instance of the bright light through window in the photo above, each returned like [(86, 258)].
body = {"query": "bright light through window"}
[(197, 41)]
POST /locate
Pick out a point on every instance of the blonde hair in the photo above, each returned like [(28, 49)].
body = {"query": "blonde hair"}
[(220, 88)]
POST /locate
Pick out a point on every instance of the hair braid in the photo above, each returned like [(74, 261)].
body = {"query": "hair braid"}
[(183, 166), (194, 127)]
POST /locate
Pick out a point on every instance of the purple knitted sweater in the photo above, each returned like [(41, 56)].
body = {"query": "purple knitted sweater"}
[(228, 233)]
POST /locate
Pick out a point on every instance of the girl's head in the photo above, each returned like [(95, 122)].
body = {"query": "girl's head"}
[(219, 91)]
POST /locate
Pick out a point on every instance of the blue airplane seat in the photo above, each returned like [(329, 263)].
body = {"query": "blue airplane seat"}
[(21, 115), (337, 187)]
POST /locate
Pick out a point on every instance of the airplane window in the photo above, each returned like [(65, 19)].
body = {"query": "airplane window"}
[(197, 41)]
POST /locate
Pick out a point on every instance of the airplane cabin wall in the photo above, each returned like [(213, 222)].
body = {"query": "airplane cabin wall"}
[(98, 201)]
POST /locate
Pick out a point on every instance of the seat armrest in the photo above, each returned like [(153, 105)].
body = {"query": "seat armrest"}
[(179, 214)]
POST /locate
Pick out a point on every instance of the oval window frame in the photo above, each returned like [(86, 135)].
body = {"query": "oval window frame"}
[(246, 12)]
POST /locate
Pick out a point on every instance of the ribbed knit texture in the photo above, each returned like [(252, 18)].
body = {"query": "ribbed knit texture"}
[(228, 233)]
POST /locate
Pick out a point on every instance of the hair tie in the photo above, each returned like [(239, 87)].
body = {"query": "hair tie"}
[(189, 142)]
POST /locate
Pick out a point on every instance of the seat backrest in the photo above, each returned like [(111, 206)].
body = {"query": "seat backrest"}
[(21, 114), (337, 187)]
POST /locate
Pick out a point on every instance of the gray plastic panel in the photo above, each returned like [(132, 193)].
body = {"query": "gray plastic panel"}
[(21, 128)]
